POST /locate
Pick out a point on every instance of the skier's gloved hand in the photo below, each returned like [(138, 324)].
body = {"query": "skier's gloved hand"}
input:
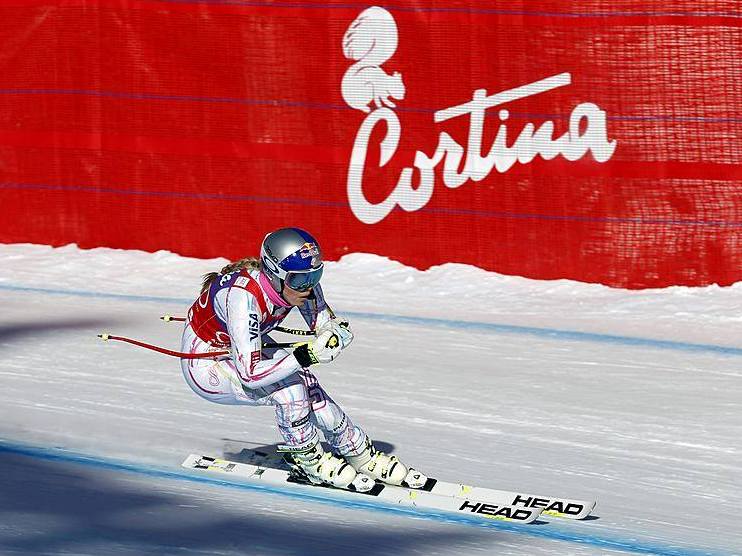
[(341, 327), (322, 349)]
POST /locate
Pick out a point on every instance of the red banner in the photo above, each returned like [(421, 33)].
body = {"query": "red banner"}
[(587, 140)]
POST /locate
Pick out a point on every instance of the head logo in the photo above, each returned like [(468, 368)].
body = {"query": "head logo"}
[(371, 40)]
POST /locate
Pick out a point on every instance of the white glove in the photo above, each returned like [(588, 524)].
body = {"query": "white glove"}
[(342, 329), (323, 349)]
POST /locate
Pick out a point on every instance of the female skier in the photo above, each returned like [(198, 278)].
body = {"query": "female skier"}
[(236, 309)]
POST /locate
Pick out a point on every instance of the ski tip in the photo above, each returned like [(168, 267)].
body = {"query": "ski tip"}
[(589, 508), (531, 519), (585, 509), (104, 337)]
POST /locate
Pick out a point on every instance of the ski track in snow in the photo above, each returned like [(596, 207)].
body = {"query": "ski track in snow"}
[(554, 388)]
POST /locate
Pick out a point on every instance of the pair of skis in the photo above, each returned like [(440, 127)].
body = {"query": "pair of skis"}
[(454, 498)]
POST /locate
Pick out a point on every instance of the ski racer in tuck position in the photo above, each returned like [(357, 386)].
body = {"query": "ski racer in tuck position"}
[(237, 309)]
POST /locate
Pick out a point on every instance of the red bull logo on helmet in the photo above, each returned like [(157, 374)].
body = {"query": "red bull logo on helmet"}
[(310, 250)]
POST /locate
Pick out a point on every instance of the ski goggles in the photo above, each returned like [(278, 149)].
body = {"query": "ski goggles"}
[(303, 280)]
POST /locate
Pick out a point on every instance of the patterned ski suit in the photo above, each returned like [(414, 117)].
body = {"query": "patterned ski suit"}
[(237, 313)]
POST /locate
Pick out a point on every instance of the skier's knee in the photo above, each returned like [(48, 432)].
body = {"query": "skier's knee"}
[(330, 418)]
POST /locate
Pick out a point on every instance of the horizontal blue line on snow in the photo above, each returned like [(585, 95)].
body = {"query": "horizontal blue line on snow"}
[(550, 532), (548, 333), (327, 106), (339, 204)]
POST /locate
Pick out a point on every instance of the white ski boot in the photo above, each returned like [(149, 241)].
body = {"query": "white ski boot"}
[(318, 467), (385, 468)]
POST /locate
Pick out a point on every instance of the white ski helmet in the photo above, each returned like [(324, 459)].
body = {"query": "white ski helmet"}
[(291, 256)]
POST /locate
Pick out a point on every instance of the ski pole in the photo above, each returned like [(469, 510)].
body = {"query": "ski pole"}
[(169, 318), (295, 331), (285, 330), (184, 355)]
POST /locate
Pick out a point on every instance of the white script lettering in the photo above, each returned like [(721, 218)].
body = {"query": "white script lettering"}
[(531, 142)]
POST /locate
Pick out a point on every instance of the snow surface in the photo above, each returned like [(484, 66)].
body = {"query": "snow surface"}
[(556, 388)]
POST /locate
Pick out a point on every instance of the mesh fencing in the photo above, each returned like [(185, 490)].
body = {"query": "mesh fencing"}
[(199, 126)]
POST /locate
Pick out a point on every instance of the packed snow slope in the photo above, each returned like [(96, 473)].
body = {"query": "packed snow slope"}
[(555, 388)]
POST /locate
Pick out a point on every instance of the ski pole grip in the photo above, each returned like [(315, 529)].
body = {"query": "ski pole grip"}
[(170, 318)]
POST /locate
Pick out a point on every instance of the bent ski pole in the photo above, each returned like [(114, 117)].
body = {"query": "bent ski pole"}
[(184, 355)]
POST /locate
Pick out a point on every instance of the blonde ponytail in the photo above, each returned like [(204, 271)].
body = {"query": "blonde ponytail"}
[(248, 262)]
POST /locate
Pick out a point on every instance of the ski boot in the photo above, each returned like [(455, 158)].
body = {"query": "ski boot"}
[(385, 468), (311, 464)]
